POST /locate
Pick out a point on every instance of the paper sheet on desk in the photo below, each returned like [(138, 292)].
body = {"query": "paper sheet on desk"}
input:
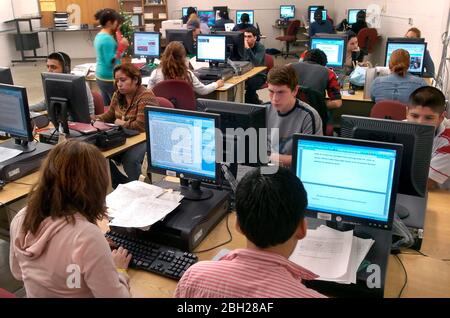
[(227, 85), (7, 153), (197, 65)]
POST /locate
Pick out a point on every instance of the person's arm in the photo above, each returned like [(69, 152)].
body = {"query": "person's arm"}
[(138, 122), (257, 58), (312, 124), (282, 160), (201, 88), (14, 230), (90, 100), (333, 104), (39, 107), (428, 65), (334, 91), (108, 49), (154, 78), (440, 166)]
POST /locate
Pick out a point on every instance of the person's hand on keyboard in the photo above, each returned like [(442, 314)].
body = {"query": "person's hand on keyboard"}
[(220, 83), (121, 258)]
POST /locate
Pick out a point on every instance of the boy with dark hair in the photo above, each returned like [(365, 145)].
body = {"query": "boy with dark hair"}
[(287, 114), (427, 106), (255, 53), (270, 213), (319, 25), (244, 23)]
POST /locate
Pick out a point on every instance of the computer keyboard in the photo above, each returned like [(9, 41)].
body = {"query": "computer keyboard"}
[(207, 81), (155, 258)]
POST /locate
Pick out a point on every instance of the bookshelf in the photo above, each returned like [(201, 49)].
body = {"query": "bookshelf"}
[(153, 11)]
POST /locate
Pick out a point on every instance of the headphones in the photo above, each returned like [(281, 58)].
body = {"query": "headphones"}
[(66, 67)]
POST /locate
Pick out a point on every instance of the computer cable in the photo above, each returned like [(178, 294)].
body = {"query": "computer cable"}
[(221, 244), (406, 276)]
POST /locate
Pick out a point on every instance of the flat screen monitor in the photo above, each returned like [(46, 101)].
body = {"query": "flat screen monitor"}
[(184, 36), (351, 15), (417, 141), (207, 16), (333, 47), (235, 45), (147, 44), (15, 117), (245, 146), (416, 52), (311, 15), (287, 12), (66, 96), (183, 144), (211, 48), (185, 9), (348, 181), (251, 15), (6, 76)]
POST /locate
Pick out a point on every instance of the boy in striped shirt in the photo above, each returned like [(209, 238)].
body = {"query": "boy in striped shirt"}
[(427, 106), (270, 213)]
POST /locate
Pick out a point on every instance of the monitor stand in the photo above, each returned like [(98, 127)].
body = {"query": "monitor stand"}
[(191, 190), (18, 144)]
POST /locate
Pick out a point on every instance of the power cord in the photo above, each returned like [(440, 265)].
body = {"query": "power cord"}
[(221, 244), (406, 276)]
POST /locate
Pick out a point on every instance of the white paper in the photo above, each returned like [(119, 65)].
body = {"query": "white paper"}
[(7, 153), (145, 80), (227, 85), (197, 65)]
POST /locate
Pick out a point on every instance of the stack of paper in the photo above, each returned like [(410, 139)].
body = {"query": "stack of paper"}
[(83, 69), (332, 255), (139, 205)]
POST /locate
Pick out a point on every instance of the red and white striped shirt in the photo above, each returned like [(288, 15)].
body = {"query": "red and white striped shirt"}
[(440, 157), (246, 273)]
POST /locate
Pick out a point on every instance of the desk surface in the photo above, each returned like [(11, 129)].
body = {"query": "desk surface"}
[(427, 276), (358, 96), (235, 80)]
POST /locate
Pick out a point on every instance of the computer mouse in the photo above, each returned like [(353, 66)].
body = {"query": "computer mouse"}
[(351, 91)]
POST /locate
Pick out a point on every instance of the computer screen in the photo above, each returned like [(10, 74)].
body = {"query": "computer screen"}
[(211, 48), (417, 141), (351, 15), (416, 52), (348, 181), (185, 9), (218, 9), (333, 47), (235, 45), (184, 36), (311, 15), (208, 17), (182, 143), (15, 115), (287, 12), (147, 44), (251, 15), (6, 76)]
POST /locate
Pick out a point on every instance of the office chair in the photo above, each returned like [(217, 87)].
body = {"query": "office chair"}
[(367, 39), (317, 101), (180, 93), (99, 106), (164, 102), (6, 294), (268, 62), (389, 109), (290, 37)]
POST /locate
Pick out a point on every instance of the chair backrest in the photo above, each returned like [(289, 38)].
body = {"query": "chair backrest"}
[(367, 39), (164, 102), (6, 294), (268, 62), (99, 106), (389, 109), (293, 27), (180, 93), (317, 101)]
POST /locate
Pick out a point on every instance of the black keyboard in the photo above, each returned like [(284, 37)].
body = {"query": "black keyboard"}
[(155, 258), (207, 81)]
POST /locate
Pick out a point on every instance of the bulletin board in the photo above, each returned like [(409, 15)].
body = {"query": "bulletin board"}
[(81, 11)]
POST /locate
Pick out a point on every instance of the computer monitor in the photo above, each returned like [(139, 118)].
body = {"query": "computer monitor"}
[(334, 48), (211, 48), (6, 76), (248, 149), (207, 16), (15, 118), (184, 11), (235, 45), (251, 15), (184, 36), (287, 12), (218, 9), (405, 39), (183, 144), (311, 13), (416, 50), (351, 15), (66, 95), (147, 44), (417, 141), (349, 182)]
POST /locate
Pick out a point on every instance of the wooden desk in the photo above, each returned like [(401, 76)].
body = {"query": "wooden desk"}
[(355, 105)]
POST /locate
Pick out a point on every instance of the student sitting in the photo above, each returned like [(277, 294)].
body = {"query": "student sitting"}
[(127, 110), (313, 73), (319, 25), (59, 62), (354, 55), (270, 213), (204, 28), (57, 249), (244, 23), (427, 106), (224, 19), (399, 84), (287, 114), (360, 22), (255, 52), (428, 65), (190, 10), (173, 66)]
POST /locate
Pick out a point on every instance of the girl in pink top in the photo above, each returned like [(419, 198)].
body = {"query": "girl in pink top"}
[(57, 249)]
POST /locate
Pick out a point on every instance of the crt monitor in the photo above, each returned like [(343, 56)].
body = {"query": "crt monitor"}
[(351, 15), (349, 182), (66, 95), (207, 16), (287, 12), (235, 45), (15, 118), (182, 144), (416, 50), (311, 14), (333, 47), (184, 11), (6, 76), (146, 44), (218, 9), (249, 149), (211, 48), (251, 15), (184, 36)]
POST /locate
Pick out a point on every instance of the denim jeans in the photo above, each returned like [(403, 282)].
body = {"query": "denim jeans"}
[(132, 161), (107, 90)]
